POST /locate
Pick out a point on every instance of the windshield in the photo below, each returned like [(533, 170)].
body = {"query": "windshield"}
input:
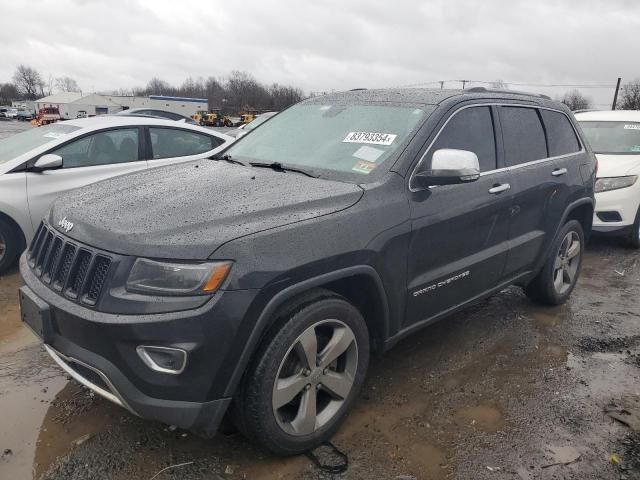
[(259, 120), (613, 137), (21, 143), (351, 139)]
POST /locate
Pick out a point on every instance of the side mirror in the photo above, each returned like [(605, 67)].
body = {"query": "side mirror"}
[(449, 167), (48, 162)]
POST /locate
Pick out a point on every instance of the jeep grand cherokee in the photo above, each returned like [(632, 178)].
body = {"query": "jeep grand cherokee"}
[(257, 283)]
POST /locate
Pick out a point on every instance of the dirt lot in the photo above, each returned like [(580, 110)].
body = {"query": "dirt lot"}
[(504, 390)]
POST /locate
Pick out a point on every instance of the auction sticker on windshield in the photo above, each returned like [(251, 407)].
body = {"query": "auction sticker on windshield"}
[(373, 138)]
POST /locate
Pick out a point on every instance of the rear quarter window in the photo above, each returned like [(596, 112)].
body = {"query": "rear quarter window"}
[(560, 133)]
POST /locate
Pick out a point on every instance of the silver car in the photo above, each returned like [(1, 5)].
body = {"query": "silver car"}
[(38, 165)]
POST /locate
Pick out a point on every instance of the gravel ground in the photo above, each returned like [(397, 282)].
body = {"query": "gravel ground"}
[(504, 390)]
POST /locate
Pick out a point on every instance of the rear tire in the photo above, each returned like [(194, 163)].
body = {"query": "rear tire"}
[(557, 279), (633, 240), (11, 244), (306, 375)]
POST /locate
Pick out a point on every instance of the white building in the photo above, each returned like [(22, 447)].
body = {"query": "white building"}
[(182, 105), (75, 104)]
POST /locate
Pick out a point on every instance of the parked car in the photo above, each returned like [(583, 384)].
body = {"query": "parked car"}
[(24, 115), (11, 112), (615, 138), (247, 127), (39, 164), (259, 282), (150, 112)]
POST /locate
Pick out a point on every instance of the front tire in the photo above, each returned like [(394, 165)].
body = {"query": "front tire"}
[(11, 245), (557, 279), (306, 376), (633, 240)]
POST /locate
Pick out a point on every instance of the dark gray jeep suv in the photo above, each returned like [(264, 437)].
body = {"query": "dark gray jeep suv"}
[(257, 283)]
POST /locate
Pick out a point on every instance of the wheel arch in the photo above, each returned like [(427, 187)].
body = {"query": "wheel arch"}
[(17, 227), (361, 285), (582, 211)]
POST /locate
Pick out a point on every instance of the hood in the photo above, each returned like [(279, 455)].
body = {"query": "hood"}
[(618, 165), (187, 211)]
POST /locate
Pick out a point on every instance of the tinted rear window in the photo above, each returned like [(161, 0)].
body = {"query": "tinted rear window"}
[(523, 135), (560, 134)]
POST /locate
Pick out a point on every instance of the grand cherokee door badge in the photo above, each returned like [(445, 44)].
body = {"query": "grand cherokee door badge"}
[(443, 283)]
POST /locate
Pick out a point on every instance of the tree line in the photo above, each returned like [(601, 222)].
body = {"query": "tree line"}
[(236, 92), (628, 98), (239, 91)]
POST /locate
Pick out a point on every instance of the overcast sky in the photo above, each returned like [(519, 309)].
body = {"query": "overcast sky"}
[(326, 44)]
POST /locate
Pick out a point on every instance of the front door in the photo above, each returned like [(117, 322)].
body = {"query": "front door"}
[(86, 160), (459, 239)]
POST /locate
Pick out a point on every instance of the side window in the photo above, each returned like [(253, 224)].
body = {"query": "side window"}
[(560, 134), (523, 135), (172, 142), (112, 146), (471, 129)]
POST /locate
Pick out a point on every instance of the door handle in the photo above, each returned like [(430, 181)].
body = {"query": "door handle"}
[(500, 188), (559, 171)]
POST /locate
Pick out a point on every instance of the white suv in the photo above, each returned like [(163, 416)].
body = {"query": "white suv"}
[(615, 139)]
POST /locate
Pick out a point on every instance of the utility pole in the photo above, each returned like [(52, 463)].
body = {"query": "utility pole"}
[(615, 95), (464, 82), (441, 84)]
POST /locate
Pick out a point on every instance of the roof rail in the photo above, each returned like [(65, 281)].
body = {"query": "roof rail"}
[(511, 92), (357, 89)]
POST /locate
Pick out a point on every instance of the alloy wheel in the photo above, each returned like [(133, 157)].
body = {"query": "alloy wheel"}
[(315, 377), (567, 262)]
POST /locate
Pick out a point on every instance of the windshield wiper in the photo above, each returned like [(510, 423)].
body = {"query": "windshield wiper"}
[(230, 159), (279, 167)]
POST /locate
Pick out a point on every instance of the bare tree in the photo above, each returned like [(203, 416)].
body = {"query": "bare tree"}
[(28, 81), (159, 87), (630, 96), (67, 84), (8, 93), (576, 100), (46, 87)]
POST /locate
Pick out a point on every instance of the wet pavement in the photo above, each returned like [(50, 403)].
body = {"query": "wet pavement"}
[(504, 390)]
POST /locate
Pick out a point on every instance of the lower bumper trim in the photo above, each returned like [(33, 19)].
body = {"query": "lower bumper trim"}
[(111, 394)]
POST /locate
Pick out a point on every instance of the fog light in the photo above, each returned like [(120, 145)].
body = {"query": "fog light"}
[(163, 359)]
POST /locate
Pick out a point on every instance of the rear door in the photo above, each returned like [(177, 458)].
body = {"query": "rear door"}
[(458, 244), (568, 156), (85, 160), (535, 187), (169, 145)]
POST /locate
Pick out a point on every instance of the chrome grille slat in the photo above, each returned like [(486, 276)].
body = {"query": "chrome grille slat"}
[(77, 272)]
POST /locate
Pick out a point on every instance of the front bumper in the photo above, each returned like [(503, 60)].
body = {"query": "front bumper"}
[(621, 205), (99, 350)]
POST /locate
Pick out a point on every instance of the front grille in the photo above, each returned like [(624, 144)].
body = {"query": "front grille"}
[(77, 272)]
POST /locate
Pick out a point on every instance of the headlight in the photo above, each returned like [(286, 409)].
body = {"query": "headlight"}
[(166, 278), (614, 183)]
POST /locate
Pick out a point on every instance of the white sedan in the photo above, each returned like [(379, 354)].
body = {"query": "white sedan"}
[(615, 139), (38, 165)]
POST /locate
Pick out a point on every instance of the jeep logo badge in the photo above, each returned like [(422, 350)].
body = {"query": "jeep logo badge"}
[(65, 225)]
